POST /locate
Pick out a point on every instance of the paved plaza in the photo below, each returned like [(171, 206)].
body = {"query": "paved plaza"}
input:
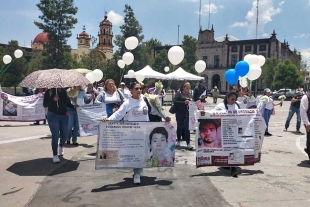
[(30, 178)]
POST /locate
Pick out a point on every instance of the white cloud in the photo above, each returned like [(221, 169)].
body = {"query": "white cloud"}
[(115, 18), (29, 46), (300, 36), (213, 9), (266, 12), (239, 24), (265, 35), (305, 53)]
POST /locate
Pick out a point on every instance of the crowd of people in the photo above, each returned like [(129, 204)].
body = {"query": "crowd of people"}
[(133, 104)]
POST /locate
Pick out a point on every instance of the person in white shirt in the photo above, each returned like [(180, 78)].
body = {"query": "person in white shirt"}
[(133, 109), (305, 117), (250, 100), (124, 90)]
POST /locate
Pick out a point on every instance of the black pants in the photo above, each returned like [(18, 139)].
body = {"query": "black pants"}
[(308, 144)]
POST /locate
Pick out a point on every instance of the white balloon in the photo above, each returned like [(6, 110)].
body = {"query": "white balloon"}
[(254, 73), (166, 69), (131, 73), (128, 58), (243, 82), (131, 43), (89, 77), (247, 57), (18, 53), (121, 63), (261, 60), (7, 59), (253, 60), (176, 55), (140, 77), (200, 66), (97, 75)]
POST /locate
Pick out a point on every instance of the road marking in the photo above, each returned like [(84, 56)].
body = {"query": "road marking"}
[(23, 139), (299, 147)]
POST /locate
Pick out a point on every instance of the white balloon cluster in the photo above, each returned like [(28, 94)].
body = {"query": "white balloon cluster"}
[(255, 62), (94, 76), (128, 58), (8, 59)]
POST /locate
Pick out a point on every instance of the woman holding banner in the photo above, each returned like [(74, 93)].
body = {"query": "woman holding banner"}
[(133, 109)]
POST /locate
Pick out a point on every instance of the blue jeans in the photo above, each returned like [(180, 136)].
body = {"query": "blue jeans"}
[(291, 113), (58, 125), (73, 123), (182, 125), (267, 115)]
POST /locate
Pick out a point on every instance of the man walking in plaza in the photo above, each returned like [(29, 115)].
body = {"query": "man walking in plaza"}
[(215, 94), (305, 116), (294, 108), (200, 91)]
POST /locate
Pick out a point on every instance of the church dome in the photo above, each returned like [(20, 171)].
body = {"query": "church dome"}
[(105, 21), (84, 34), (222, 38), (41, 38)]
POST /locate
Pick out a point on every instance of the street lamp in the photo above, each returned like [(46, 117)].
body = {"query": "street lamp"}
[(7, 60)]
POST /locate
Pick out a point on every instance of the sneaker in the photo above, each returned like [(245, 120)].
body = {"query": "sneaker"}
[(189, 146), (285, 130), (61, 150), (136, 179), (268, 134), (178, 144), (299, 132), (56, 159)]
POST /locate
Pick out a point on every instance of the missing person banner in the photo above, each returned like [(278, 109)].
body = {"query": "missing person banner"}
[(229, 138), (135, 145), (24, 108), (89, 118), (194, 106)]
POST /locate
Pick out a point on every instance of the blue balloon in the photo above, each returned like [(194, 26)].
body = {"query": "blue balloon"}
[(242, 68), (231, 76)]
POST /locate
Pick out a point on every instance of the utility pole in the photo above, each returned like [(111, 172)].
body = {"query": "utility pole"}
[(178, 33), (257, 5), (209, 14), (199, 16)]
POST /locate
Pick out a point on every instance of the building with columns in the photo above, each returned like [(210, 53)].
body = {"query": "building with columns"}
[(224, 52), (84, 40)]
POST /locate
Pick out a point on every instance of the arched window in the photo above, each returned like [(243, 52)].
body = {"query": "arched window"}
[(103, 31), (216, 81), (104, 41)]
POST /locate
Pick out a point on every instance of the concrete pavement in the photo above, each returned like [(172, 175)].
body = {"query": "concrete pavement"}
[(27, 174)]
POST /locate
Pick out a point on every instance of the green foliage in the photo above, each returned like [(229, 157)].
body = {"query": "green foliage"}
[(287, 75), (189, 45), (38, 57), (161, 61), (93, 60), (16, 71), (153, 42), (268, 71), (58, 20)]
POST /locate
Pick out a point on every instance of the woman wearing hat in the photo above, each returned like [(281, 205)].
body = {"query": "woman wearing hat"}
[(267, 108)]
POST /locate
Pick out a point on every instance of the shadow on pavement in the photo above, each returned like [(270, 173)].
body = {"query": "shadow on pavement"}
[(20, 125), (226, 172), (128, 183), (82, 145), (305, 163), (42, 167)]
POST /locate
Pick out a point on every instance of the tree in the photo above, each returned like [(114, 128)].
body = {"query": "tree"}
[(189, 45), (38, 57), (268, 71), (287, 75), (153, 42), (58, 20), (161, 61), (16, 71), (295, 59), (95, 59)]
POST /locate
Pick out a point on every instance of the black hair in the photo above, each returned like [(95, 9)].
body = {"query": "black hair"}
[(203, 122), (226, 99), (158, 130), (144, 86), (132, 85)]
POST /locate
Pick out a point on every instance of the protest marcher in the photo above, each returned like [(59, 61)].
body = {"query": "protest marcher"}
[(75, 94), (200, 91), (112, 97), (250, 100), (57, 117), (305, 116), (215, 94), (181, 101), (294, 108), (145, 89), (124, 90), (100, 87), (268, 109), (37, 91), (91, 90), (133, 109), (232, 102)]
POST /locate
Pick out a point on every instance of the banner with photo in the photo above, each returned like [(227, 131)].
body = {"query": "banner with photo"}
[(135, 145), (229, 138), (89, 118), (194, 106), (23, 109)]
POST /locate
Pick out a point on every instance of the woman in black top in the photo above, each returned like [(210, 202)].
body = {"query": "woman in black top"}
[(57, 117), (181, 101)]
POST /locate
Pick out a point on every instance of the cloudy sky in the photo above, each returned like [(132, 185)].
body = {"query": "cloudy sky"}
[(160, 19)]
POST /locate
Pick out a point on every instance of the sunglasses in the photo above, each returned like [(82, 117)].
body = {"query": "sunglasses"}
[(232, 99), (138, 89)]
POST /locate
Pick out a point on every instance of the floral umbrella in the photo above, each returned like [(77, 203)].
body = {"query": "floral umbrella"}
[(54, 78)]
